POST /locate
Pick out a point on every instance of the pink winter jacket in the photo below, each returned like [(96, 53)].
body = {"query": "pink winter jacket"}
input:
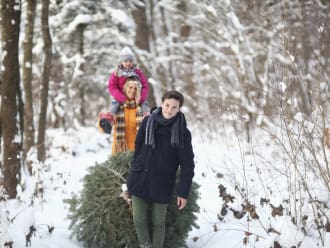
[(116, 85)]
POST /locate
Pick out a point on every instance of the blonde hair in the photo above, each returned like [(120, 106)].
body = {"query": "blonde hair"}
[(137, 83)]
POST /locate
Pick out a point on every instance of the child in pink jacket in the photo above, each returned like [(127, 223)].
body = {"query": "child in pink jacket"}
[(127, 68)]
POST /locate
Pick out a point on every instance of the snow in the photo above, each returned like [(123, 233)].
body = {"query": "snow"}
[(224, 160), (71, 154), (27, 65), (79, 20), (120, 17)]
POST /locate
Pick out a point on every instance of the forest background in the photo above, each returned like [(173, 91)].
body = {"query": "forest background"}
[(253, 66)]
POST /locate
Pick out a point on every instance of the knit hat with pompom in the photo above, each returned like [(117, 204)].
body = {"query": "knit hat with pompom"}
[(126, 54)]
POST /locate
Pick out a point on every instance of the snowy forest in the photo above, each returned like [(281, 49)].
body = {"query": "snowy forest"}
[(255, 75)]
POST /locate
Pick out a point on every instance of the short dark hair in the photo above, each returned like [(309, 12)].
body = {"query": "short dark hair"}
[(173, 94)]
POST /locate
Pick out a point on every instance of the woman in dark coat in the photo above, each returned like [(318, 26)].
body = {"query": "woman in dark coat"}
[(163, 144)]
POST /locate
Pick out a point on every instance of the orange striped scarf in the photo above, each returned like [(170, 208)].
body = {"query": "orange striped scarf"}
[(121, 145)]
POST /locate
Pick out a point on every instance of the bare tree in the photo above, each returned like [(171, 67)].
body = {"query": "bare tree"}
[(159, 31), (142, 42), (27, 77), (185, 77), (10, 21), (0, 113), (0, 119), (44, 80), (82, 89)]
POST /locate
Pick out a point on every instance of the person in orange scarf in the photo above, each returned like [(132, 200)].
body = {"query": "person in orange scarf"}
[(128, 118)]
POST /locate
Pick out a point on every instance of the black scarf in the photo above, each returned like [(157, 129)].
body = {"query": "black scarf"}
[(178, 123)]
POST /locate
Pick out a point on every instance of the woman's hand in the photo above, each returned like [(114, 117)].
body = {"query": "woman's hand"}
[(137, 99), (181, 202)]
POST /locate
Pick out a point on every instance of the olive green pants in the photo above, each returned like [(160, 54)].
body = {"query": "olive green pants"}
[(141, 221)]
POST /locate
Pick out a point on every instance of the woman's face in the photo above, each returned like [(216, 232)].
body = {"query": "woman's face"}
[(131, 90), (170, 107)]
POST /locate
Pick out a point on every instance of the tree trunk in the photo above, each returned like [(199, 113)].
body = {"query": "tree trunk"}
[(81, 87), (325, 50), (142, 42), (10, 21), (27, 78), (44, 81), (304, 84), (187, 75), (159, 29), (0, 120)]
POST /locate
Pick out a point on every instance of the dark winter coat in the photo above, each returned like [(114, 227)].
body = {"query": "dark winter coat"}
[(153, 170)]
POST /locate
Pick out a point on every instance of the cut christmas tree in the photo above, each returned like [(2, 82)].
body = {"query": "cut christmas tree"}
[(100, 217)]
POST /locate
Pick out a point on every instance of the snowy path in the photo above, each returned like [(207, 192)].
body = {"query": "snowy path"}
[(63, 177), (70, 158), (72, 152)]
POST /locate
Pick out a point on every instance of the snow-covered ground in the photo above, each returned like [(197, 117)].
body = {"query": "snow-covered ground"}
[(244, 174), (71, 153)]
